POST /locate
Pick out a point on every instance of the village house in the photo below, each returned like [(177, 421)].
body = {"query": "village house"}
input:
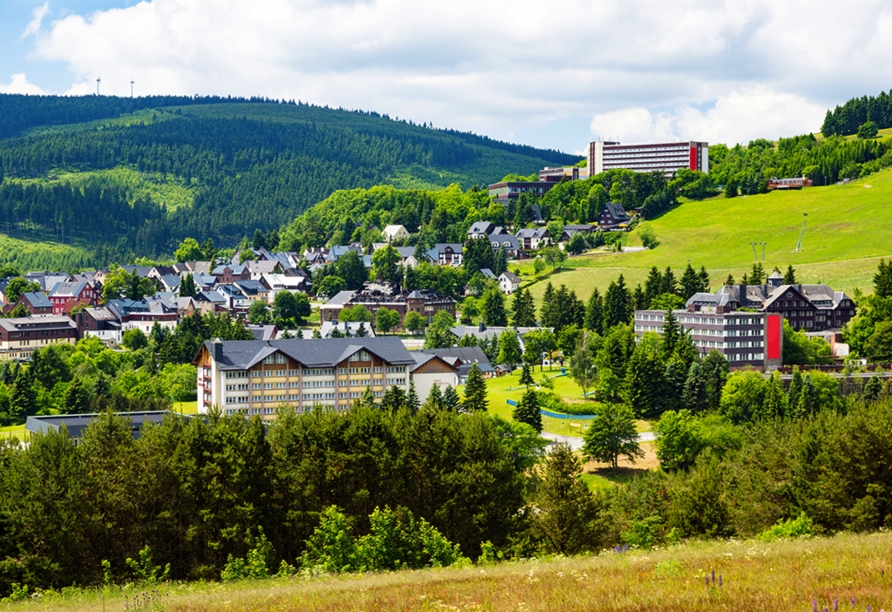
[(395, 233)]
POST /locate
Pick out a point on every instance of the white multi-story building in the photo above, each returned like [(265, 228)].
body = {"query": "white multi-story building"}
[(665, 157), (257, 377)]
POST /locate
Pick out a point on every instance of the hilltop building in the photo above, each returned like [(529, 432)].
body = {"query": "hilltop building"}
[(665, 157)]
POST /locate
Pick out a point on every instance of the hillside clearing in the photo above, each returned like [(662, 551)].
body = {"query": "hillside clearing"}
[(848, 230)]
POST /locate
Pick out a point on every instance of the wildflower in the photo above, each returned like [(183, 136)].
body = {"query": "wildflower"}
[(814, 605), (720, 580), (713, 576), (707, 582), (853, 602), (835, 605)]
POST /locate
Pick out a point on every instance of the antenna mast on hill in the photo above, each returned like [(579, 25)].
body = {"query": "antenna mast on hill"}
[(131, 89), (98, 81), (801, 232)]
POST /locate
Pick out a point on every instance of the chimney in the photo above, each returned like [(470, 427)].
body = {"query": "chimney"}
[(482, 326), (217, 352)]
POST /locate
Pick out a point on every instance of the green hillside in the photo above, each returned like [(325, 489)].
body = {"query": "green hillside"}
[(135, 177), (849, 228)]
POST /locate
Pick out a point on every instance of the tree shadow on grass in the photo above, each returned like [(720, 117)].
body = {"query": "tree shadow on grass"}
[(621, 475)]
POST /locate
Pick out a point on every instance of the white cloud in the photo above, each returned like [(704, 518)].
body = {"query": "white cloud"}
[(738, 117), (499, 67), (37, 16), (19, 85)]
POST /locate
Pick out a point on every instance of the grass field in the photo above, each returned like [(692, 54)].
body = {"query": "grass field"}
[(849, 228), (781, 576), (14, 431)]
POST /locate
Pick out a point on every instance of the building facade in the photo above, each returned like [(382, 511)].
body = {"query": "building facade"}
[(19, 338), (256, 378), (752, 339), (665, 157)]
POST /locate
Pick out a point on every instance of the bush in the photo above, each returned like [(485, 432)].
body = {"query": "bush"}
[(257, 562), (799, 527)]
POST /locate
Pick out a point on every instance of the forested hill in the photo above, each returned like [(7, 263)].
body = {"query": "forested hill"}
[(135, 176)]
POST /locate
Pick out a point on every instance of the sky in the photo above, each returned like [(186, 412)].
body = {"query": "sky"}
[(555, 74)]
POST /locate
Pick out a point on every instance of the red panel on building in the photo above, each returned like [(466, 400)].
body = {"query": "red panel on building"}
[(773, 336), (693, 158)]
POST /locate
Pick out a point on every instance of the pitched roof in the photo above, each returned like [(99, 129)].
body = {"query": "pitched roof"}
[(37, 299), (68, 289), (510, 277), (465, 354), (481, 227), (243, 354)]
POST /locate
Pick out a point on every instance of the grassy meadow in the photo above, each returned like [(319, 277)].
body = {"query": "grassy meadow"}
[(782, 575), (849, 228)]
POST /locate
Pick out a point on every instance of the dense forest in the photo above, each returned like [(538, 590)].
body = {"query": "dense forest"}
[(250, 163), (846, 119)]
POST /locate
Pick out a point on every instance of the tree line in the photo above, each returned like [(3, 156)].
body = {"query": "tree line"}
[(846, 119)]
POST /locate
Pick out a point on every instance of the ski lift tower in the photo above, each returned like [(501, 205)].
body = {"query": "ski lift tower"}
[(801, 232)]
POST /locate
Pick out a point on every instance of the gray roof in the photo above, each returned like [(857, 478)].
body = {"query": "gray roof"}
[(318, 353), (77, 423), (617, 212), (37, 299), (488, 273), (263, 332), (481, 227), (509, 241), (342, 297), (512, 278), (539, 232), (43, 323), (466, 354), (170, 280)]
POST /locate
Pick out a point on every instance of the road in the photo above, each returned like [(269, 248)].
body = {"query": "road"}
[(575, 442)]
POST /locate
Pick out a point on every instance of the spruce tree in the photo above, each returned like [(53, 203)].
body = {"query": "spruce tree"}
[(639, 300), (673, 385), (793, 392), (24, 396), (566, 520), (716, 369), (671, 333), (494, 309), (547, 313), (704, 279), (527, 410), (412, 402), (451, 401), (695, 397), (669, 284), (523, 309), (872, 389), (790, 276), (808, 398), (77, 397), (882, 280), (475, 392), (617, 303), (653, 285), (773, 403), (644, 381), (594, 313), (500, 261), (729, 282), (434, 399), (526, 375), (691, 283)]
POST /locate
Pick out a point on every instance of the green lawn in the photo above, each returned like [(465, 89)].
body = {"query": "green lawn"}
[(849, 229), (185, 407), (14, 431)]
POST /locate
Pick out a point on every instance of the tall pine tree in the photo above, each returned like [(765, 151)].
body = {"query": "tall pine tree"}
[(594, 313)]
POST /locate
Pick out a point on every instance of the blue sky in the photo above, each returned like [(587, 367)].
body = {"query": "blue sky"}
[(554, 74)]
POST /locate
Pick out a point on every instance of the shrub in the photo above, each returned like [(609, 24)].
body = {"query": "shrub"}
[(144, 571), (799, 527)]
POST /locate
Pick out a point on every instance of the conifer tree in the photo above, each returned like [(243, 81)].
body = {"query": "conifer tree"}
[(773, 403), (451, 401), (671, 333), (729, 282), (704, 279), (494, 308), (808, 398), (790, 276), (475, 392), (526, 375), (617, 303), (434, 399), (612, 435), (669, 284), (639, 300), (24, 396), (644, 381), (567, 513), (793, 392), (872, 389), (594, 313), (673, 385), (523, 309), (187, 286), (716, 369), (695, 397), (691, 283), (547, 311), (653, 285), (412, 402), (77, 397), (500, 261), (882, 280), (527, 410)]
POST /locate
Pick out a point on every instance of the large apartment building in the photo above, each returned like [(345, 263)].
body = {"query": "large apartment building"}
[(19, 338), (255, 377), (745, 338), (665, 157)]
